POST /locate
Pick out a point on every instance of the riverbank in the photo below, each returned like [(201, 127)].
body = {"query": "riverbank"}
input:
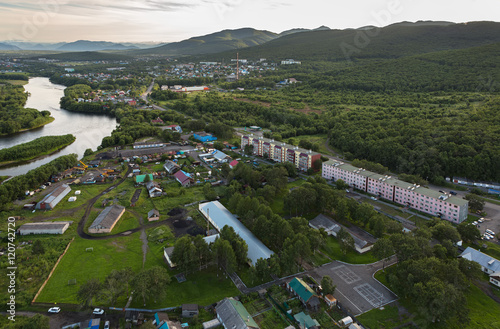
[(32, 146), (49, 120)]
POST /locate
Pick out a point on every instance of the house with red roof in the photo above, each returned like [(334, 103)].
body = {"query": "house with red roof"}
[(157, 120), (233, 164), (183, 178)]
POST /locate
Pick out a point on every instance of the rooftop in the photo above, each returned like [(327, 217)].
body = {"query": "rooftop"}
[(221, 217), (108, 216), (301, 288), (282, 144), (484, 260), (44, 226), (234, 315)]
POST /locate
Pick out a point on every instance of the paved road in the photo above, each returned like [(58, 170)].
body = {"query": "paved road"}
[(356, 290)]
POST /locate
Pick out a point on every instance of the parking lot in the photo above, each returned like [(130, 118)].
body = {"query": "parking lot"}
[(356, 290)]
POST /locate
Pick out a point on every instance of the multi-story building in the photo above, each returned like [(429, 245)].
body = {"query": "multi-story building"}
[(445, 206), (280, 152)]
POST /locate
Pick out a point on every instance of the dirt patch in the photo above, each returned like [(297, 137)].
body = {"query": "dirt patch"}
[(176, 211), (307, 110), (119, 246), (135, 197)]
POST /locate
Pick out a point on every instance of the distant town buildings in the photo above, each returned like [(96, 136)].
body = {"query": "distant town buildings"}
[(280, 152)]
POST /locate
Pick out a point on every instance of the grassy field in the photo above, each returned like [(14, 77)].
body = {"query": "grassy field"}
[(484, 311), (319, 139), (382, 319), (332, 249), (204, 288), (278, 202), (83, 265)]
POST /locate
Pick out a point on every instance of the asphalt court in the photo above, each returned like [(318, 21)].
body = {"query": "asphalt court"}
[(371, 295), (346, 274)]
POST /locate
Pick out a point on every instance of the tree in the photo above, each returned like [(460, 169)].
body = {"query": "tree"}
[(88, 291), (262, 268), (445, 231), (327, 285), (341, 185), (468, 232), (37, 321), (342, 211), (116, 284), (248, 149), (88, 152), (142, 286), (346, 241), (159, 280), (224, 255), (382, 249), (475, 202), (38, 248), (184, 254)]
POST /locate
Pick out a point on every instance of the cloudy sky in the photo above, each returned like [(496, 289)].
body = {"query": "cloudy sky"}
[(175, 20)]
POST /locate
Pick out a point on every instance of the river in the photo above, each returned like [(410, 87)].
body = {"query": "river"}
[(89, 129)]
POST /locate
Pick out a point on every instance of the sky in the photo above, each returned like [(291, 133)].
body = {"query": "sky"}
[(175, 20)]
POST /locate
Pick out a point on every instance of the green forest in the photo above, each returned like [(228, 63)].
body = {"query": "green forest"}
[(13, 116), (35, 148)]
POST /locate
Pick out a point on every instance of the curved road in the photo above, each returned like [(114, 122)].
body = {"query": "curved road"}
[(90, 204)]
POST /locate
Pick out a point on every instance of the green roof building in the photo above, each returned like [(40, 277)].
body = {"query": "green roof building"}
[(305, 320), (141, 178), (305, 293)]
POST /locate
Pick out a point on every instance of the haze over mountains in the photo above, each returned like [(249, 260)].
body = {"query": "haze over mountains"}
[(322, 43)]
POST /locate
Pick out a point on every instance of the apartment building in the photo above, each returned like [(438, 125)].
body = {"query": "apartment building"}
[(281, 152), (445, 206)]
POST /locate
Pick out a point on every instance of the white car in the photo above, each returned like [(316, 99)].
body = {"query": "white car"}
[(106, 325), (373, 198), (480, 220), (98, 311), (54, 310)]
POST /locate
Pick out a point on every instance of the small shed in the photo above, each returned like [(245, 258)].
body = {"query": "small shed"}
[(153, 214), (189, 310)]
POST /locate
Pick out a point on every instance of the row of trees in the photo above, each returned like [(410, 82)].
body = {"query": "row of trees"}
[(35, 148), (229, 251), (15, 187)]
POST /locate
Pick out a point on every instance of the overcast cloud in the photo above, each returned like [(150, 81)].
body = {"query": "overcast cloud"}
[(174, 20)]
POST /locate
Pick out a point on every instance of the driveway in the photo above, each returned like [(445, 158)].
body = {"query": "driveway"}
[(356, 290)]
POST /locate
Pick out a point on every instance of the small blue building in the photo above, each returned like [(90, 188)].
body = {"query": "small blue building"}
[(204, 137)]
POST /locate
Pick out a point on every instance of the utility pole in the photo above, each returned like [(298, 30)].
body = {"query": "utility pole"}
[(237, 66)]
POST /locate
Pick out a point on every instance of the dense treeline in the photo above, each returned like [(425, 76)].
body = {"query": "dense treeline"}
[(431, 142), (184, 82), (13, 116), (218, 109), (35, 147), (14, 76), (166, 95), (15, 187)]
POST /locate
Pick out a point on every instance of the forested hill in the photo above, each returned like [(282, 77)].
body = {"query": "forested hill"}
[(393, 41), (472, 69), (212, 43)]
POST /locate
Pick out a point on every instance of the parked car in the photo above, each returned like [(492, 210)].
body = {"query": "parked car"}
[(453, 193), (441, 191), (480, 220), (373, 198), (54, 310), (98, 311), (106, 325)]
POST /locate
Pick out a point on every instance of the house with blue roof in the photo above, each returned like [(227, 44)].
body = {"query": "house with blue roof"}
[(204, 137)]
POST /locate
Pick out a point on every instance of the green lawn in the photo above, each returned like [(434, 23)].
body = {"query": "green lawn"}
[(319, 139), (278, 202), (381, 319), (270, 320), (484, 311), (202, 288), (332, 249), (83, 265)]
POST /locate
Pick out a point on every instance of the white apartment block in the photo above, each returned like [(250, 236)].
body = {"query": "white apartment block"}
[(445, 206)]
